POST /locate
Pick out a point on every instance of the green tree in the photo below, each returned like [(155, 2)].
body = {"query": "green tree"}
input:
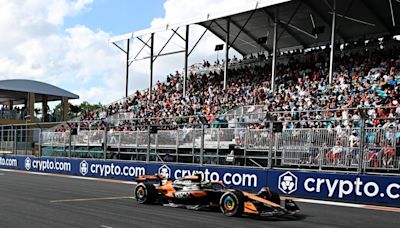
[(87, 107), (76, 110)]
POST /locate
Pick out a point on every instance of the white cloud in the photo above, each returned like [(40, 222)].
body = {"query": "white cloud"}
[(57, 10), (34, 44)]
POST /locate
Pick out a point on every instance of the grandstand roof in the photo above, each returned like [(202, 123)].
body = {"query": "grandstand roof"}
[(355, 19), (17, 89)]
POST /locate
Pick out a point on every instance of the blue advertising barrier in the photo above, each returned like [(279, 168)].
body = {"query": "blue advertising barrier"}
[(321, 185), (348, 187), (241, 178), (78, 167)]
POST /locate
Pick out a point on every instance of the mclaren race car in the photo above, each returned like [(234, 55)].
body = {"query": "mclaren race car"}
[(192, 193)]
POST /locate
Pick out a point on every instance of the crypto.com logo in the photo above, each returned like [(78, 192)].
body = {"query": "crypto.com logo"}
[(165, 171), (83, 167), (287, 182), (28, 163)]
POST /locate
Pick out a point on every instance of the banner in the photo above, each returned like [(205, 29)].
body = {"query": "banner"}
[(347, 187), (78, 167), (241, 178)]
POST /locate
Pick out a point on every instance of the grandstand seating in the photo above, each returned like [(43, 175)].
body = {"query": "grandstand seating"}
[(321, 121), (365, 76)]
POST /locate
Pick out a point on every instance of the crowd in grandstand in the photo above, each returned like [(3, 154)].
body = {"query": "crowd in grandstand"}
[(366, 81), (365, 76)]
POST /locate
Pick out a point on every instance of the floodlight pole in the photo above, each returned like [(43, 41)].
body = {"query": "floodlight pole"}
[(127, 68), (332, 42), (273, 71), (151, 68), (228, 23), (186, 60)]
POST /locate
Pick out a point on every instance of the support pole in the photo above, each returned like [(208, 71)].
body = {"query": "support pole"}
[(31, 106), (228, 23), (202, 145), (391, 13), (127, 68), (271, 142), (185, 76), (64, 106), (274, 43), (105, 142), (148, 144), (151, 68), (332, 42), (361, 153), (44, 108), (69, 143), (11, 105)]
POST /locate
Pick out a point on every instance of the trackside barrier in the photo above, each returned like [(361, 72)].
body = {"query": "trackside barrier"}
[(376, 149), (321, 185)]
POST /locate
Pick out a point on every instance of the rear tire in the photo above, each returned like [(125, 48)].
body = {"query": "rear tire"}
[(232, 203), (145, 193)]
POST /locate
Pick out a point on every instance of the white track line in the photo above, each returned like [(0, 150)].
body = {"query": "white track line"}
[(101, 179), (104, 226), (329, 203), (342, 204), (68, 176), (91, 199)]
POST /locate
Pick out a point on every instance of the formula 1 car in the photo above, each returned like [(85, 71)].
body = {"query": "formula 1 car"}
[(192, 193)]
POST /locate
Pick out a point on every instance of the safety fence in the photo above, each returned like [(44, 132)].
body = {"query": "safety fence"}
[(348, 139), (374, 149), (242, 116), (20, 141)]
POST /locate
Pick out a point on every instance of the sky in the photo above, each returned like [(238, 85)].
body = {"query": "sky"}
[(65, 42)]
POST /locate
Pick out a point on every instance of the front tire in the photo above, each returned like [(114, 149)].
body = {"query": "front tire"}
[(232, 203), (145, 193)]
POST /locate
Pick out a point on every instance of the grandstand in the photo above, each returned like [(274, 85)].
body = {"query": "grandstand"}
[(296, 103)]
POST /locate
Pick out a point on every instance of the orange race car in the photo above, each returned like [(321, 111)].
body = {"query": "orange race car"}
[(192, 193)]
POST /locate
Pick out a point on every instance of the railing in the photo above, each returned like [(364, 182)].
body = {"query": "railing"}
[(358, 147), (19, 141), (252, 114), (319, 148)]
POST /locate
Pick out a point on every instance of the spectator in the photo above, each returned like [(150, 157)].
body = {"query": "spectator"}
[(373, 156), (388, 154), (334, 156)]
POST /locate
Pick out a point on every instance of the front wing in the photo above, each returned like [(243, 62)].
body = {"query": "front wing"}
[(256, 205)]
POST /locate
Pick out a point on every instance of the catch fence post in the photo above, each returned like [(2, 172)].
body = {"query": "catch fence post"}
[(361, 165), (148, 144), (271, 141), (69, 143), (105, 143), (202, 145)]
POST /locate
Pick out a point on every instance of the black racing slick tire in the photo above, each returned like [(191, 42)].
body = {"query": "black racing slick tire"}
[(232, 203), (145, 193)]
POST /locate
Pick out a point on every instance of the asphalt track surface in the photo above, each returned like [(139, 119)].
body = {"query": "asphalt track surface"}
[(28, 200)]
